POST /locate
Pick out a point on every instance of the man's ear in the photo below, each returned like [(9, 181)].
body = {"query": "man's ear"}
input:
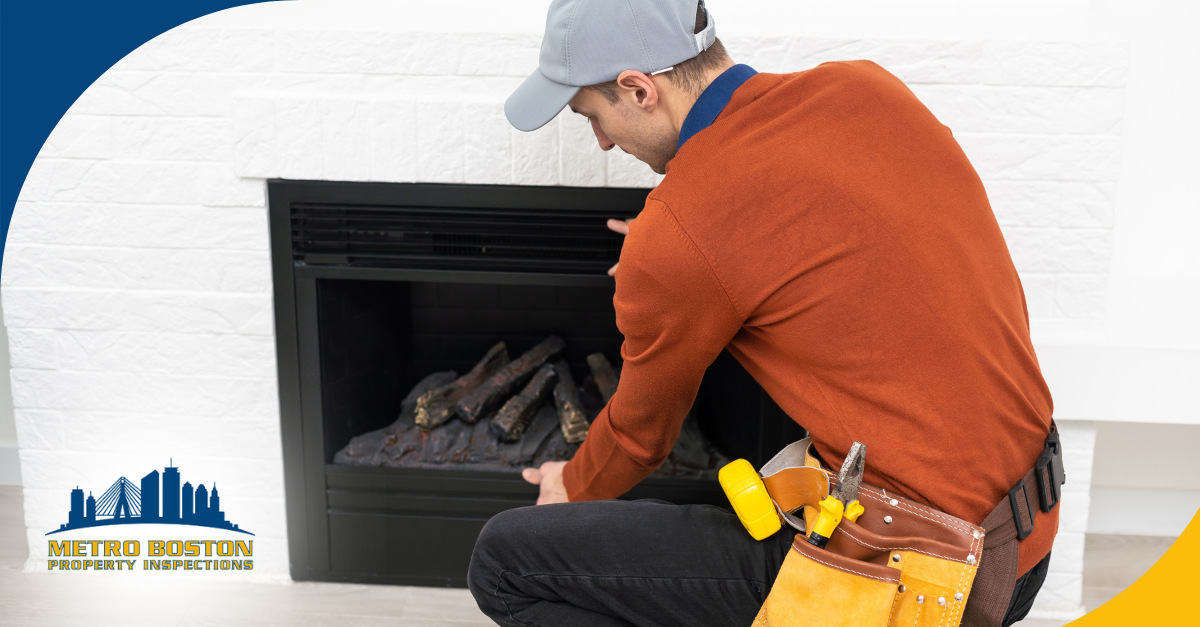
[(639, 89)]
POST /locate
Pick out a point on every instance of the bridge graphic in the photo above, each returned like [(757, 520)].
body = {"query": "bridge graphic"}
[(126, 503)]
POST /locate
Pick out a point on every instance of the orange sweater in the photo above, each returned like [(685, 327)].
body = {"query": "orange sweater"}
[(830, 233)]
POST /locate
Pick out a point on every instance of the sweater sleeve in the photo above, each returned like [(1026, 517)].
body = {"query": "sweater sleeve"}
[(676, 318)]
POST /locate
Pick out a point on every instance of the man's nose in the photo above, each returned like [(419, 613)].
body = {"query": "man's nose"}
[(606, 144)]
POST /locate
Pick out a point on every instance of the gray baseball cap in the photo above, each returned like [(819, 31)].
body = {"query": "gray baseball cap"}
[(588, 42)]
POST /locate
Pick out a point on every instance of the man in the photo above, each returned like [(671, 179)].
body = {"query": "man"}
[(829, 232)]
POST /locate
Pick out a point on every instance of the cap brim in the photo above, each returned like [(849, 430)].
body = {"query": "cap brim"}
[(537, 101)]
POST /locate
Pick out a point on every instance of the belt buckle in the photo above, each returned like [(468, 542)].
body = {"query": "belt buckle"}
[(1050, 474), (1017, 495)]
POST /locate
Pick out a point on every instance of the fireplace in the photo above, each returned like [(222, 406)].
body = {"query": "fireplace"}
[(378, 286)]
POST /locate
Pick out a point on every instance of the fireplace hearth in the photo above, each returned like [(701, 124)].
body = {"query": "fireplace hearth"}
[(382, 291)]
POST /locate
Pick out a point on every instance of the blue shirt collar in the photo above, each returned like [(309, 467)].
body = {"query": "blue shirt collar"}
[(712, 102)]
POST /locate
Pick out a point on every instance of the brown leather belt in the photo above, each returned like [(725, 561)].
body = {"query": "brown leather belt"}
[(1010, 522)]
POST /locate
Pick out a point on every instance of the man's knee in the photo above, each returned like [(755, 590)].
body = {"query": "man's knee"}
[(493, 555)]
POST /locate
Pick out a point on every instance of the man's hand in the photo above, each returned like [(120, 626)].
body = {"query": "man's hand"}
[(622, 227), (549, 478)]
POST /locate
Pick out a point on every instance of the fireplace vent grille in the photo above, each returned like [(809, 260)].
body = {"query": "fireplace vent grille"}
[(531, 240)]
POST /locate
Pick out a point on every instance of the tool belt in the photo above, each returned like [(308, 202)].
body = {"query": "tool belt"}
[(900, 563)]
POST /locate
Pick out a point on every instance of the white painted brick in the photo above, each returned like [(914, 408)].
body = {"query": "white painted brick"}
[(183, 436), (220, 187), (39, 429), (1025, 203), (506, 54), (116, 93), (254, 137), (261, 478), (911, 61), (125, 181), (1060, 250), (189, 353), (1052, 203), (624, 170), (298, 124), (1077, 434), (1067, 555), (1003, 109), (1048, 330), (248, 314), (434, 54), (1061, 593), (141, 268), (327, 51), (144, 393), (45, 508), (488, 155), (32, 348), (1088, 205), (466, 88), (1077, 464), (212, 49), (1043, 157), (440, 141), (581, 160), (86, 224), (49, 178), (145, 93), (346, 140), (394, 140), (1082, 295), (535, 155), (171, 139), (331, 51), (298, 85), (766, 54), (1075, 504), (39, 471), (1039, 293), (1088, 64), (59, 471), (80, 137), (198, 94)]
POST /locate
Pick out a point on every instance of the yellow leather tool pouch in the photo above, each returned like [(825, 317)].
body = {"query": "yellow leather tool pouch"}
[(917, 572), (901, 564)]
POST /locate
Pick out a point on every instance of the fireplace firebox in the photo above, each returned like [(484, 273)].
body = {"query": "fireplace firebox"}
[(379, 285)]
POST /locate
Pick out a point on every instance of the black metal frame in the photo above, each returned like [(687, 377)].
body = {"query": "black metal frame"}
[(384, 503)]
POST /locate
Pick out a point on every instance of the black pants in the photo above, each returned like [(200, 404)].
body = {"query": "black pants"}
[(636, 563)]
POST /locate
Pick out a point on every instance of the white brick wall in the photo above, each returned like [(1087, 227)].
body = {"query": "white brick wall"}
[(136, 279)]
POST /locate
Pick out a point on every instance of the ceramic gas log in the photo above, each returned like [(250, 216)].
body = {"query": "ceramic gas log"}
[(545, 421)]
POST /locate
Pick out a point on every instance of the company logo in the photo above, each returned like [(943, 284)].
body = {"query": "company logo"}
[(125, 504)]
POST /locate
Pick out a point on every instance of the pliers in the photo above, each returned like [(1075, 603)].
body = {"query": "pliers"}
[(842, 501)]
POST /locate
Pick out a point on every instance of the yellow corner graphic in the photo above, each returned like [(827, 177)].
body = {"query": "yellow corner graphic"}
[(1168, 594)]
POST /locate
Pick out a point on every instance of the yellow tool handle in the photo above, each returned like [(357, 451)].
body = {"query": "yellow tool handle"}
[(831, 514), (853, 511)]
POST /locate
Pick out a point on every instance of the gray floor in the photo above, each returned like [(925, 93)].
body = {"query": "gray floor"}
[(1111, 563)]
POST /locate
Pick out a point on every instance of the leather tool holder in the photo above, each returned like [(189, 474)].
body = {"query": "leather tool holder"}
[(902, 563)]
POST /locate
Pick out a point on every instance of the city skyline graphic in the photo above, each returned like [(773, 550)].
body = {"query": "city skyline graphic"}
[(126, 503)]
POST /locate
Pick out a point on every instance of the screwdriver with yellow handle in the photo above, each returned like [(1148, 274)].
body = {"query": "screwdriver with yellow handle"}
[(842, 501)]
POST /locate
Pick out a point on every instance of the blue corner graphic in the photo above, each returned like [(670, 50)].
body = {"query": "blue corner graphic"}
[(124, 503)]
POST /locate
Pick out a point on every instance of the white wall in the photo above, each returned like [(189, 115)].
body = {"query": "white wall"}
[(136, 283), (10, 464)]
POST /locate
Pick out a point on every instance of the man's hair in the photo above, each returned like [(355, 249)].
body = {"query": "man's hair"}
[(691, 74)]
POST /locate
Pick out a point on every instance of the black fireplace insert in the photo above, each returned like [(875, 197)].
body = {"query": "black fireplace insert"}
[(378, 286)]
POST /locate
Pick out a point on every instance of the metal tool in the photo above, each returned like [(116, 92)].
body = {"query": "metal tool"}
[(842, 501)]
